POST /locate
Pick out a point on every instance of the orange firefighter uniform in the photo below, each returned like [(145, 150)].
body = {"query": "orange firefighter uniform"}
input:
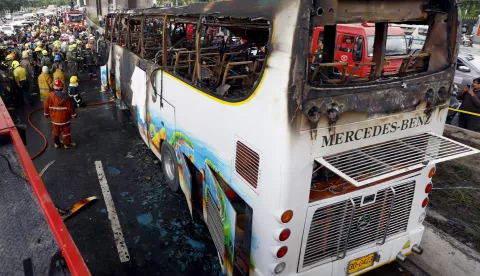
[(59, 108)]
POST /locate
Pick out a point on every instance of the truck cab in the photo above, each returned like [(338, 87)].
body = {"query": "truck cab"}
[(74, 19), (354, 44)]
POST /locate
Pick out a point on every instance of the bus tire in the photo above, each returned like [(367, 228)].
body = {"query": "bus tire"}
[(170, 167)]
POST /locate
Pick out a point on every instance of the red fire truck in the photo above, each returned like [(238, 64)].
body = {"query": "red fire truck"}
[(33, 237), (74, 19), (354, 44)]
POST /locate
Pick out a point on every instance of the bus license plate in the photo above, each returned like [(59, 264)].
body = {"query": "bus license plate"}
[(360, 263)]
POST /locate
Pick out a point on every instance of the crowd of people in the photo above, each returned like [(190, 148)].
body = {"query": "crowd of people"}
[(46, 59), (47, 47)]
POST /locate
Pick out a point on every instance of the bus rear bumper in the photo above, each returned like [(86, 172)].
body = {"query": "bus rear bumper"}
[(384, 254)]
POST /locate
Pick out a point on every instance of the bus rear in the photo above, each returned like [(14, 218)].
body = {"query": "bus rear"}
[(363, 146)]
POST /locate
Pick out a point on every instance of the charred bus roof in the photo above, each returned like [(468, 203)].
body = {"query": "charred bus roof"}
[(234, 8), (424, 76)]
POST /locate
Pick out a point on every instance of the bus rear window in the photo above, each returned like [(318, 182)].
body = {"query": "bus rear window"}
[(347, 53), (396, 45)]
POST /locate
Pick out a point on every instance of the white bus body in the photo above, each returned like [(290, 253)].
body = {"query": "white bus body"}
[(376, 217)]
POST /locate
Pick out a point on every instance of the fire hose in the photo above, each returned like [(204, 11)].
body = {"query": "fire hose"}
[(45, 141)]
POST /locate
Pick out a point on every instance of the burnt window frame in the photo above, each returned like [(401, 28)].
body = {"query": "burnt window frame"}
[(113, 32)]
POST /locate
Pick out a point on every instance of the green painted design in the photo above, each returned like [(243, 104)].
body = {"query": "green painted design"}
[(152, 131), (252, 262), (180, 138), (214, 168)]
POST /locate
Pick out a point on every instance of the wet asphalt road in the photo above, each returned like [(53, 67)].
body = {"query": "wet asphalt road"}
[(159, 233)]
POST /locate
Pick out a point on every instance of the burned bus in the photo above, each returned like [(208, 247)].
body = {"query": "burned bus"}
[(298, 165)]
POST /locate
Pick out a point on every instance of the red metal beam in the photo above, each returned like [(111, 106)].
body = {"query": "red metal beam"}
[(69, 250)]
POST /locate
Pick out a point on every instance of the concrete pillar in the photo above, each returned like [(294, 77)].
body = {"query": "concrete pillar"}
[(91, 7), (120, 4), (104, 7)]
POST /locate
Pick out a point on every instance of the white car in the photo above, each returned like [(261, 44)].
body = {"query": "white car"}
[(8, 16), (8, 30)]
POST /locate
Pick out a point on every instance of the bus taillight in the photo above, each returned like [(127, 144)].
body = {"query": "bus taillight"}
[(287, 216), (428, 188), (284, 234), (282, 251), (425, 202)]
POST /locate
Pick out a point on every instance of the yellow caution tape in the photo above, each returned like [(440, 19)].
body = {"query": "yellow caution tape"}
[(463, 111)]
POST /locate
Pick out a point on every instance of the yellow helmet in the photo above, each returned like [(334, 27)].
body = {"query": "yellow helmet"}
[(27, 45), (73, 80), (38, 49), (39, 44), (15, 64), (45, 53), (25, 54), (8, 58)]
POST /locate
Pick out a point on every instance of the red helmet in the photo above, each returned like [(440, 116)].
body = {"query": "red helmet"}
[(57, 84)]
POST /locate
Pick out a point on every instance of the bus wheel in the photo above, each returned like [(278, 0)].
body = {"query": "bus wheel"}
[(170, 167)]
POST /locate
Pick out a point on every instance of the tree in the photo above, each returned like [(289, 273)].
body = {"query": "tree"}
[(470, 9)]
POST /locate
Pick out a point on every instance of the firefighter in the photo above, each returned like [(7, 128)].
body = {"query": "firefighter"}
[(58, 74), (20, 75), (9, 59), (45, 61), (59, 108), (37, 59), (74, 93), (5, 85), (93, 43), (79, 53), (45, 84), (72, 61), (90, 61), (57, 62), (9, 71), (25, 63)]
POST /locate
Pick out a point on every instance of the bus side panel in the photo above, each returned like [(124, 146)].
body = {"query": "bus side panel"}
[(160, 122), (139, 99)]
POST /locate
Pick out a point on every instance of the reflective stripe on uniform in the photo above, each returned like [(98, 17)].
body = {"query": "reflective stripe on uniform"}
[(66, 135), (61, 124), (58, 108)]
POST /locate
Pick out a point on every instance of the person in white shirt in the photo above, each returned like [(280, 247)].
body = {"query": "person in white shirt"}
[(64, 46)]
